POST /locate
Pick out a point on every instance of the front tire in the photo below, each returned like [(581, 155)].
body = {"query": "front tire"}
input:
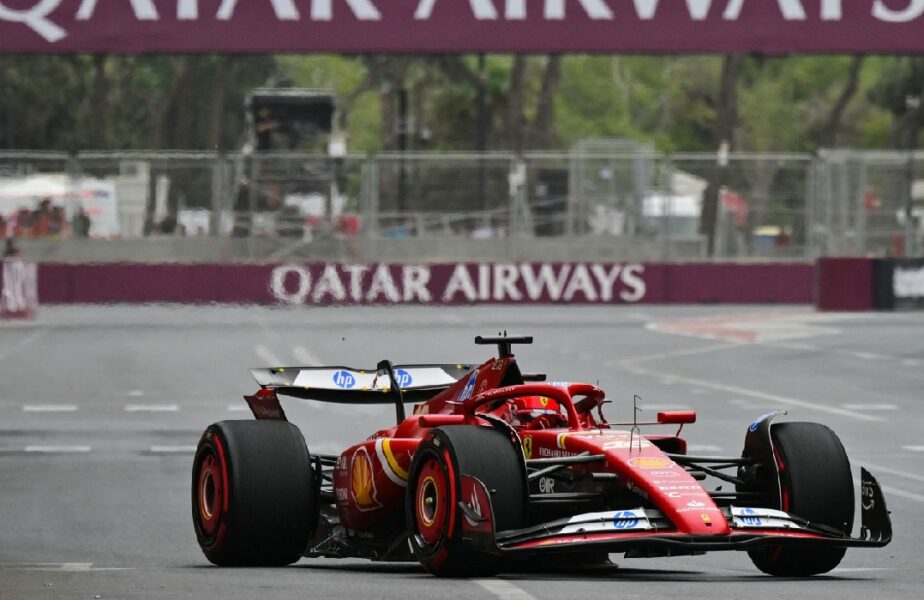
[(816, 485), (435, 489), (253, 493)]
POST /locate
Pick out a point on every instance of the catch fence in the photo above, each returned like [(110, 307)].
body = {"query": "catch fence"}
[(769, 206)]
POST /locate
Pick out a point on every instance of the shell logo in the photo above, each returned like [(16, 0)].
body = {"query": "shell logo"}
[(652, 462), (362, 481)]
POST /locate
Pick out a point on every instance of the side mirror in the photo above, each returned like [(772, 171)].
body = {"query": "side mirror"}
[(676, 417)]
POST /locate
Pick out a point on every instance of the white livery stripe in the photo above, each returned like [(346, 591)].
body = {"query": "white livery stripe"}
[(386, 466), (152, 408), (49, 408)]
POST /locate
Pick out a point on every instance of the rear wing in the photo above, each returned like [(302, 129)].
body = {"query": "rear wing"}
[(349, 385)]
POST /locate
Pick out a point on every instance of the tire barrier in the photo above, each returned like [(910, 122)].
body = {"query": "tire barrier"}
[(18, 289), (320, 284)]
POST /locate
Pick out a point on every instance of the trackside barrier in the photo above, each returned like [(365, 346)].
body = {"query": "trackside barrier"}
[(851, 284), (18, 289), (320, 283)]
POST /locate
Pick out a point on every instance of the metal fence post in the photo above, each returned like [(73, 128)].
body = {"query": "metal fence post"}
[(217, 193), (811, 207), (667, 190)]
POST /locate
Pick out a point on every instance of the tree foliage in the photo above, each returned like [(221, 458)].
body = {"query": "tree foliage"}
[(533, 102)]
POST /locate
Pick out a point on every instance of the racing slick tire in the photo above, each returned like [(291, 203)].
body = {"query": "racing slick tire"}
[(253, 493), (435, 521), (816, 485)]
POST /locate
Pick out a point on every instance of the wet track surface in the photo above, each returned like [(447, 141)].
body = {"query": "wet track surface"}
[(100, 409)]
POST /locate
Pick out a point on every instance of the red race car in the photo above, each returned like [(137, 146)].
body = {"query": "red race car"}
[(496, 464)]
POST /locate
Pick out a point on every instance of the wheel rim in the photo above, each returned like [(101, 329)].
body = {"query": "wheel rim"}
[(210, 494), (431, 502)]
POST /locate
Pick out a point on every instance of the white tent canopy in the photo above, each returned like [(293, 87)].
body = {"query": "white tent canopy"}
[(96, 196)]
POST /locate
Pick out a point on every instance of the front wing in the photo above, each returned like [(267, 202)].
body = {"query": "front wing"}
[(644, 531)]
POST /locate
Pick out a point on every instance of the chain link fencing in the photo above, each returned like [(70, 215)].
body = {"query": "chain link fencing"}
[(625, 197)]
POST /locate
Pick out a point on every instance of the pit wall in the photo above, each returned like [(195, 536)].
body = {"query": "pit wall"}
[(319, 283)]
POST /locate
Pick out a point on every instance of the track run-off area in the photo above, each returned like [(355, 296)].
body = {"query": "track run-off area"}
[(101, 409)]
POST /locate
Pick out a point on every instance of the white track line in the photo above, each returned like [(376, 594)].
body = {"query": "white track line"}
[(868, 355), (58, 449), (898, 473), (151, 408), (173, 449), (49, 408), (238, 408), (902, 493), (654, 407), (60, 567), (631, 365), (305, 357), (789, 346), (267, 356), (503, 589), (870, 406), (703, 448), (675, 354), (734, 389), (913, 448)]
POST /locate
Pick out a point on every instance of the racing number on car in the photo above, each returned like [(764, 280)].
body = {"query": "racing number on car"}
[(528, 447)]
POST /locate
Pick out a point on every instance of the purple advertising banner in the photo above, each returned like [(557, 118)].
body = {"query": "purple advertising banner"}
[(321, 284), (769, 26)]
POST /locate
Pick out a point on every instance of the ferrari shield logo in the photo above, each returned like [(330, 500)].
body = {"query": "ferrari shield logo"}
[(528, 447), (362, 481)]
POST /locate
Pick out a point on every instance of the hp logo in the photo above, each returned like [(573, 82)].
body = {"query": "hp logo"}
[(403, 378), (625, 520), (749, 520), (343, 379)]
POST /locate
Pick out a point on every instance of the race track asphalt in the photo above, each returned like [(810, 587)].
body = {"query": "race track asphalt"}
[(100, 408)]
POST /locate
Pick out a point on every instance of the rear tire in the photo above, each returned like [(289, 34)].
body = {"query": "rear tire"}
[(816, 485), (253, 493), (434, 492)]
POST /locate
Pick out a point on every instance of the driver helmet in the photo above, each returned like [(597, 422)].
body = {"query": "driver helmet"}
[(527, 408)]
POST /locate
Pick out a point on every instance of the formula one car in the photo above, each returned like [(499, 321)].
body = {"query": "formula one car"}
[(496, 465)]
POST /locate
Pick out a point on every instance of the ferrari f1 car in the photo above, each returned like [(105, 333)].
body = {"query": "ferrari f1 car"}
[(496, 464)]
